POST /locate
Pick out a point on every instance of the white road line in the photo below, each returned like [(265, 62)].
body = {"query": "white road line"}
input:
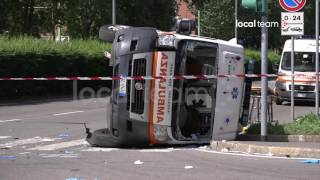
[(158, 150), (66, 113), (97, 149), (10, 120), (59, 155), (26, 141), (250, 155), (61, 145)]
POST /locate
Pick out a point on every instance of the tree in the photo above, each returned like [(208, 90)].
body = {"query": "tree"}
[(217, 24), (82, 17), (217, 20), (153, 13)]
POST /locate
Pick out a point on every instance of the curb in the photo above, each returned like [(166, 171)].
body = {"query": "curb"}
[(268, 150), (282, 138)]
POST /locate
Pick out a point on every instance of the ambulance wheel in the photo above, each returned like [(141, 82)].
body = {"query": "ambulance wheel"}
[(103, 138), (278, 101)]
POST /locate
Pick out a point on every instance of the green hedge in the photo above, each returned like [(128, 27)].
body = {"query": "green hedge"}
[(273, 58), (29, 57), (308, 124), (31, 47), (25, 56)]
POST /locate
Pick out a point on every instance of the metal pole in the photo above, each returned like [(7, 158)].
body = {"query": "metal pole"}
[(292, 78), (199, 23), (113, 12), (236, 20), (59, 24), (317, 56), (264, 79), (75, 89)]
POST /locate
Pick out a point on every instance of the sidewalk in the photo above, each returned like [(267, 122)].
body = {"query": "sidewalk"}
[(283, 149)]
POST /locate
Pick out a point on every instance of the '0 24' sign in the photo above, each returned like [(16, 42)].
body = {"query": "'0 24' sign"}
[(292, 23)]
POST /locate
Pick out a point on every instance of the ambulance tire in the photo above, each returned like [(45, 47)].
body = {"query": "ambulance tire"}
[(103, 138), (277, 100)]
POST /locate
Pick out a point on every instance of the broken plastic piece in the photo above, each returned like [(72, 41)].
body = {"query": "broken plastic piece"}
[(138, 162), (312, 161), (63, 135), (73, 178), (8, 157), (188, 167)]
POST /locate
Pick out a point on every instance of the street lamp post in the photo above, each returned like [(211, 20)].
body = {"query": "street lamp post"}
[(113, 12), (236, 20), (317, 56)]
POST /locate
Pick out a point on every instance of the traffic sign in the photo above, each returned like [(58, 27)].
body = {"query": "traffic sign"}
[(292, 5), (292, 23)]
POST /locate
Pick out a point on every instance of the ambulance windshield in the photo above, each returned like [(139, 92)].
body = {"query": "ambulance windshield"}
[(303, 61)]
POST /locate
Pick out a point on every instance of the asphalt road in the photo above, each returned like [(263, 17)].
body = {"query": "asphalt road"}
[(46, 141)]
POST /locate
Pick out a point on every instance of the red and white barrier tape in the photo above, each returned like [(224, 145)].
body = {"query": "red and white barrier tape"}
[(180, 77)]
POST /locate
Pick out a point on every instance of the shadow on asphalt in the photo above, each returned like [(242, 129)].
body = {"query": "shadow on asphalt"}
[(300, 103)]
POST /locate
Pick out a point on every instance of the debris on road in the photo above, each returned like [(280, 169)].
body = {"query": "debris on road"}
[(24, 153), (68, 152), (63, 135), (312, 161), (138, 162), (33, 140), (74, 178), (8, 157), (188, 167), (4, 148)]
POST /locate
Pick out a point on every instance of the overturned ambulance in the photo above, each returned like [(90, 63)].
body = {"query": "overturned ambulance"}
[(164, 93)]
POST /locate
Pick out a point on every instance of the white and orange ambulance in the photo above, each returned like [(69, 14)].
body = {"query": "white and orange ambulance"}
[(305, 79), (157, 110)]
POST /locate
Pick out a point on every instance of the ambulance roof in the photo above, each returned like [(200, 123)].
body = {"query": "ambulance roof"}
[(301, 45)]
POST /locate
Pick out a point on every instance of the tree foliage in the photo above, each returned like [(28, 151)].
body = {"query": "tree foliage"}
[(217, 20), (82, 18)]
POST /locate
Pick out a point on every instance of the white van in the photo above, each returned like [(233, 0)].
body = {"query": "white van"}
[(304, 62)]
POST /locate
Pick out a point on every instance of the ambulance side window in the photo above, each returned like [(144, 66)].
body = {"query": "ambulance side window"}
[(201, 59)]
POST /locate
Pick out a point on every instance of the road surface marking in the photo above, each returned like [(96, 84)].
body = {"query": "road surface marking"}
[(66, 113), (5, 137), (26, 141), (158, 150), (59, 155), (61, 145), (97, 149), (10, 120), (249, 155)]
